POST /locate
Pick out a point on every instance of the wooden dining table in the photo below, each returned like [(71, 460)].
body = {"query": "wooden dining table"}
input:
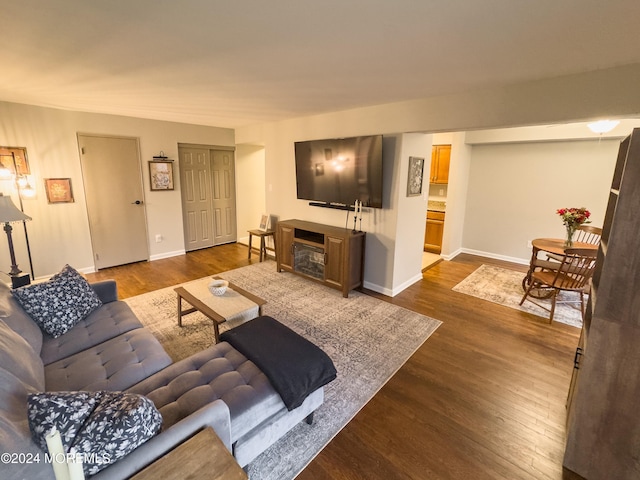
[(555, 246)]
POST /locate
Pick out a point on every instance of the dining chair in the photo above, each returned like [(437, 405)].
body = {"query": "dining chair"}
[(572, 275), (585, 234)]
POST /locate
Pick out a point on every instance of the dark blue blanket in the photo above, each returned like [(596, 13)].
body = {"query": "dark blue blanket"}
[(294, 366)]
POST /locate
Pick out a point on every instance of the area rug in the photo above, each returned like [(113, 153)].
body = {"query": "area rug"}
[(504, 286), (367, 339)]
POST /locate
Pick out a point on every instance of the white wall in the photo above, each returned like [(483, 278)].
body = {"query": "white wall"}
[(250, 185), (459, 171), (59, 233), (411, 214), (515, 189), (563, 99)]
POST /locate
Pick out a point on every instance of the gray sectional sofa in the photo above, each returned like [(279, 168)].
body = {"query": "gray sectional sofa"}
[(110, 350)]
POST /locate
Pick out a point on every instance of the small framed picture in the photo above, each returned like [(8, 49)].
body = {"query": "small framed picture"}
[(264, 222), (58, 190), (161, 175), (20, 154), (416, 171)]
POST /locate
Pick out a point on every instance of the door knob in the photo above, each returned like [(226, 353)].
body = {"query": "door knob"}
[(137, 202)]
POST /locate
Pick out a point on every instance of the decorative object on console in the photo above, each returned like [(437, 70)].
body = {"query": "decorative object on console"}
[(58, 190), (357, 207), (416, 172), (9, 214), (161, 173), (59, 303), (572, 218)]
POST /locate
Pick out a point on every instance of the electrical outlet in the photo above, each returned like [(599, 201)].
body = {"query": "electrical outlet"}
[(441, 192), (529, 244), (158, 238)]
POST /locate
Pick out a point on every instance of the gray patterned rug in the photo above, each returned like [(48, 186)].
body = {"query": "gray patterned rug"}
[(504, 286), (367, 339)]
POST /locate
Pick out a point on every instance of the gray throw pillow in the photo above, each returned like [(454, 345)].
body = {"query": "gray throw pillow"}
[(101, 427), (59, 303)]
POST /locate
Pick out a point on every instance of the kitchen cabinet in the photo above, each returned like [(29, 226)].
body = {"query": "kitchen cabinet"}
[(440, 159), (433, 231)]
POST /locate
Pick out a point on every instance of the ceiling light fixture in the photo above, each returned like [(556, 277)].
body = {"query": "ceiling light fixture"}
[(603, 126)]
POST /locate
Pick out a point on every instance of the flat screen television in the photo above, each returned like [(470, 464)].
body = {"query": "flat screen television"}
[(339, 171)]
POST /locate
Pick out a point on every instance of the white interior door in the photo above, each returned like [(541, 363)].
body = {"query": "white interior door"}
[(115, 200), (197, 208), (223, 182)]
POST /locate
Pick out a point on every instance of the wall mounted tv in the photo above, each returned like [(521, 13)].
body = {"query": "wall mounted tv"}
[(337, 172)]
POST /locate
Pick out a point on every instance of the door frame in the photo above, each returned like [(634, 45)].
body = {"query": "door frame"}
[(142, 185)]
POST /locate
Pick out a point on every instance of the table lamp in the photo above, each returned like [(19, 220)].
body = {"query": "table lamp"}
[(9, 214)]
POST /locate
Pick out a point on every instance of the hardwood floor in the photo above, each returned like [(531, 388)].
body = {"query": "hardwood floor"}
[(482, 398)]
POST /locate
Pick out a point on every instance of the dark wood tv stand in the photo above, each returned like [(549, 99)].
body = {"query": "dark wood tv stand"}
[(333, 256)]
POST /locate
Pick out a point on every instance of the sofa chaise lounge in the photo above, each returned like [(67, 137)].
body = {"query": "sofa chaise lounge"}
[(111, 350)]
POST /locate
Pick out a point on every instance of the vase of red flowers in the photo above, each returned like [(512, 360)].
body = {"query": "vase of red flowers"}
[(572, 218)]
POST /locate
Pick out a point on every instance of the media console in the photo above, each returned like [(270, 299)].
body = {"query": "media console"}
[(333, 256)]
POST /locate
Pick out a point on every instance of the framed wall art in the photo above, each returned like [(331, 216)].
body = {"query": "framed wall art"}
[(22, 163), (58, 190), (161, 175), (264, 222), (416, 172)]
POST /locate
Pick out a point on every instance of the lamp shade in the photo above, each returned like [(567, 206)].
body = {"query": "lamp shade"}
[(9, 212)]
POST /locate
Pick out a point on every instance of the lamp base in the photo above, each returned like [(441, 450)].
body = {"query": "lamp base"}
[(20, 280)]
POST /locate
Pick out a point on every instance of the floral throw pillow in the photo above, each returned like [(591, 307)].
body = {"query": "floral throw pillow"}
[(59, 303), (101, 427)]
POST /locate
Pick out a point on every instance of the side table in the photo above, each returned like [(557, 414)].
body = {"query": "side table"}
[(202, 457), (262, 234)]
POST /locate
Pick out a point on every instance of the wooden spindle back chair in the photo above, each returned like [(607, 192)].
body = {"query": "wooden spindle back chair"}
[(573, 273)]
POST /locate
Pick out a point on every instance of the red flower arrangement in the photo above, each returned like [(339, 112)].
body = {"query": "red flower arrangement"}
[(574, 217)]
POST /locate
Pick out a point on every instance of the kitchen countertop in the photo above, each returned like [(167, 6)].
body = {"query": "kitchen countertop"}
[(436, 205)]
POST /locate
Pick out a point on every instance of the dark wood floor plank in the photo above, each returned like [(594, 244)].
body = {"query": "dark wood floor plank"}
[(482, 398)]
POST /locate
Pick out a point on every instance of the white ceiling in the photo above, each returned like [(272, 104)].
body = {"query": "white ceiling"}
[(239, 62)]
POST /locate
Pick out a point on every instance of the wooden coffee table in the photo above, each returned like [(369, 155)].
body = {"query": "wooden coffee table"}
[(236, 305)]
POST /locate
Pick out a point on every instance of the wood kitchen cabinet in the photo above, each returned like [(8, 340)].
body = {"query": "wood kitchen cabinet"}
[(440, 159), (433, 231)]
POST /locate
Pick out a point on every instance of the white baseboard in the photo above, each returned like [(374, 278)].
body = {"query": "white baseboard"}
[(396, 290), (377, 288), (521, 261), (453, 255), (160, 256), (91, 269)]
